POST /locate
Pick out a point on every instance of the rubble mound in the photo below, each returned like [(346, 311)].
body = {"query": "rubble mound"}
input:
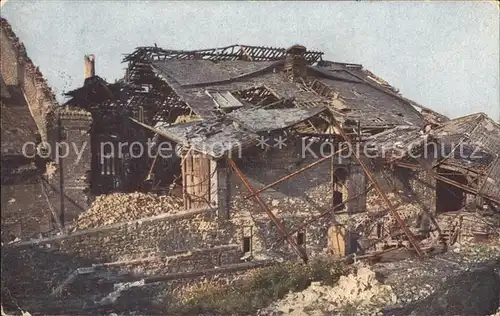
[(360, 291), (120, 207), (475, 292)]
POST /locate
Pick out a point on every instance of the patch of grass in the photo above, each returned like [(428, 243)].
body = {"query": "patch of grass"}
[(256, 289)]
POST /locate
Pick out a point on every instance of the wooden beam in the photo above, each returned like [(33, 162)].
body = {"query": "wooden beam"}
[(381, 193), (448, 181)]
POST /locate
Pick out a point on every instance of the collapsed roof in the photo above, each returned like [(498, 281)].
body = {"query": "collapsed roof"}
[(237, 130), (469, 144), (222, 86), (357, 93), (479, 140)]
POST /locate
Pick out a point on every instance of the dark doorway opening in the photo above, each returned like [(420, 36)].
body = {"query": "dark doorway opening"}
[(339, 188), (449, 198), (301, 238), (338, 198), (247, 244)]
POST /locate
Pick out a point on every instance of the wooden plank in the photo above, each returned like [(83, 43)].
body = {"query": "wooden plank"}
[(205, 180), (194, 180), (214, 184), (184, 182), (199, 182), (224, 269), (189, 179), (337, 241)]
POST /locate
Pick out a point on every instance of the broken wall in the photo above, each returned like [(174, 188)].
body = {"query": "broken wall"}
[(165, 233), (293, 201), (18, 69), (167, 243), (9, 59), (415, 185), (68, 163)]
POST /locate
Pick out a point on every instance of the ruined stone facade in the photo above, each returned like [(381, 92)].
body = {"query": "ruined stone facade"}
[(35, 133)]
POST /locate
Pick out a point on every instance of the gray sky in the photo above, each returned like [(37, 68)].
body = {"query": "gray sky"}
[(444, 55)]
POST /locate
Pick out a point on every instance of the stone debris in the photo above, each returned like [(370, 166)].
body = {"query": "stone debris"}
[(375, 204), (472, 253), (361, 291), (121, 207), (50, 170)]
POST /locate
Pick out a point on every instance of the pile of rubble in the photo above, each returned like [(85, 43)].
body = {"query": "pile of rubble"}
[(357, 294), (121, 207)]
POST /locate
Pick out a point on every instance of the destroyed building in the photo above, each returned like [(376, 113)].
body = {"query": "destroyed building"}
[(25, 95), (214, 103), (40, 193), (251, 139)]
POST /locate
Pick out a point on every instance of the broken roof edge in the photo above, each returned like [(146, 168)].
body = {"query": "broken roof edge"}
[(201, 148), (330, 74), (23, 57), (89, 81), (325, 62), (158, 131), (242, 132), (235, 51), (178, 92), (479, 117)]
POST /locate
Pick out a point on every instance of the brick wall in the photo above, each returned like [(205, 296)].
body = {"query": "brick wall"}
[(76, 166), (18, 69), (8, 60)]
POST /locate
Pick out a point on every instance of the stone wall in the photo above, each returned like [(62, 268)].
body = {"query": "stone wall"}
[(177, 262), (165, 233), (416, 185), (24, 211), (293, 202)]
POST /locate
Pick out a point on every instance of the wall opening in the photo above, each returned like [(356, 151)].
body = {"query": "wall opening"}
[(338, 198), (339, 188), (379, 230), (301, 238), (449, 198), (247, 244)]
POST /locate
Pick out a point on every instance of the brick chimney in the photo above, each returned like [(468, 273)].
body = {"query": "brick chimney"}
[(88, 66), (295, 63)]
